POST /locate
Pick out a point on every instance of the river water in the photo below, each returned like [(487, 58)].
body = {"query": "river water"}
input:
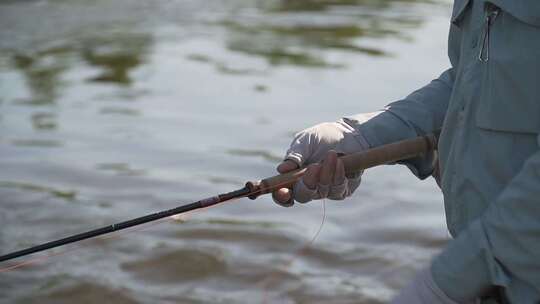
[(114, 109)]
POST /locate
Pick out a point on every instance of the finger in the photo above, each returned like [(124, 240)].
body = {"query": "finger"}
[(323, 190), (338, 192), (286, 166), (343, 187), (338, 189), (328, 168), (302, 193), (339, 173), (312, 176), (283, 197)]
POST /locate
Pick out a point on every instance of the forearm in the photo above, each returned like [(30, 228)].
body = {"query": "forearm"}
[(420, 113)]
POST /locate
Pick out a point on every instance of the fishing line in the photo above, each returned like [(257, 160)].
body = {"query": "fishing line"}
[(79, 245), (274, 275), (117, 234), (87, 243), (354, 162)]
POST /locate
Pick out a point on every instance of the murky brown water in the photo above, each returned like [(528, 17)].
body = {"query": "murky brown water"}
[(114, 109)]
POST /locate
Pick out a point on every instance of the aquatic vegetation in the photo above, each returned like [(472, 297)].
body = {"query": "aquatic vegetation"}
[(123, 169), (260, 88), (44, 121), (116, 56), (40, 143), (42, 72), (119, 111), (68, 195), (296, 32), (281, 56), (222, 66)]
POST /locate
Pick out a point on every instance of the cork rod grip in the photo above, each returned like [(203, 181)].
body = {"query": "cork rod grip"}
[(389, 153), (353, 163)]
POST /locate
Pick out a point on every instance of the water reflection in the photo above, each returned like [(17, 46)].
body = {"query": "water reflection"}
[(38, 143), (178, 266), (222, 66), (324, 5), (345, 25), (68, 195), (110, 160), (119, 111), (123, 169), (83, 292), (116, 56), (42, 72), (298, 45), (44, 121), (111, 57)]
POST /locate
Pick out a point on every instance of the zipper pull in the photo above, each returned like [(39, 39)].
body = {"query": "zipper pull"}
[(491, 15)]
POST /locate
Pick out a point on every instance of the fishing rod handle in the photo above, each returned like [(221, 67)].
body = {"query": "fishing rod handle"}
[(353, 163)]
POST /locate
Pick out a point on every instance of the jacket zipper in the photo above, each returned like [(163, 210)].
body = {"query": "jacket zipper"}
[(492, 12)]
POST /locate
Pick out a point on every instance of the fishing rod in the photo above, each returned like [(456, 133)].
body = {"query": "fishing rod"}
[(353, 163)]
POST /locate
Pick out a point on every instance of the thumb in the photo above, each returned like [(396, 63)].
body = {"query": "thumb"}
[(283, 196), (286, 166)]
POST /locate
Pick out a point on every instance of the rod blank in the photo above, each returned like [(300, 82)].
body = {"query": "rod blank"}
[(353, 163), (126, 224)]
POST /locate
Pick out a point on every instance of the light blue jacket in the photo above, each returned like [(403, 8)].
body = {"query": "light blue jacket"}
[(488, 106)]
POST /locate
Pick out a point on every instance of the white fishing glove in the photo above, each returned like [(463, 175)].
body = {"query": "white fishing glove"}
[(423, 290), (318, 148)]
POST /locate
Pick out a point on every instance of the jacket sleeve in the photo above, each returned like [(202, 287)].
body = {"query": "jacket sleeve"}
[(420, 113), (500, 248)]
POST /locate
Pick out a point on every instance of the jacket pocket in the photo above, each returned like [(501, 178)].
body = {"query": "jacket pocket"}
[(510, 94)]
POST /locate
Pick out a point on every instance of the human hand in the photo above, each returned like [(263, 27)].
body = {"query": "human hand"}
[(318, 148)]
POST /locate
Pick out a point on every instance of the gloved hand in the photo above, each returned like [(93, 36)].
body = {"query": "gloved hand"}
[(310, 147), (423, 290)]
